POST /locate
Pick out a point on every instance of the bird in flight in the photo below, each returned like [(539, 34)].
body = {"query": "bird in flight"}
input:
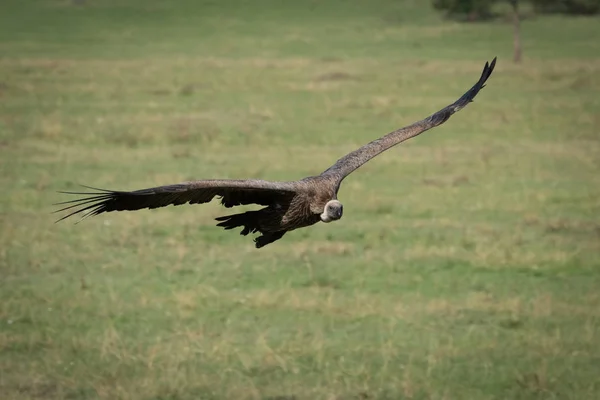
[(287, 205)]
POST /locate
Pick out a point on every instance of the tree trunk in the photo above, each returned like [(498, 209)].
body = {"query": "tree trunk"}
[(517, 53)]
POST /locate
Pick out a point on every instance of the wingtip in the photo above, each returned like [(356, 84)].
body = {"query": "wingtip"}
[(98, 190), (60, 219), (487, 71)]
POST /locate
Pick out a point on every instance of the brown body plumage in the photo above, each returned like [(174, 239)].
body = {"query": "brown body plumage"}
[(288, 205)]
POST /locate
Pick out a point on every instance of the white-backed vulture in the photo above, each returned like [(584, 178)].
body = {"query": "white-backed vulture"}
[(288, 205)]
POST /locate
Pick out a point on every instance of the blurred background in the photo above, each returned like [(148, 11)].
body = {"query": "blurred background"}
[(467, 262)]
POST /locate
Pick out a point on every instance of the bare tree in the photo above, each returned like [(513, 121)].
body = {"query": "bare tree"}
[(473, 10), (517, 51)]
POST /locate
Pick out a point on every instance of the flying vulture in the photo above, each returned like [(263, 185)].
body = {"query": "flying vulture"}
[(288, 205)]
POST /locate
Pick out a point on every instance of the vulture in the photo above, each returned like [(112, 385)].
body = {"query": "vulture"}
[(287, 205)]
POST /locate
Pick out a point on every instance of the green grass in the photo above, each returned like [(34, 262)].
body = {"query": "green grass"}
[(467, 264)]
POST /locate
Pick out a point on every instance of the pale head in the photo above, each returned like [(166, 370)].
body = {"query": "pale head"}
[(333, 211)]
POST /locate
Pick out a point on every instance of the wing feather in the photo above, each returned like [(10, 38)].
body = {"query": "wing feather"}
[(232, 193), (350, 162)]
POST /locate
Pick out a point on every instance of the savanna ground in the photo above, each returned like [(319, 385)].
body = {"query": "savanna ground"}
[(467, 262)]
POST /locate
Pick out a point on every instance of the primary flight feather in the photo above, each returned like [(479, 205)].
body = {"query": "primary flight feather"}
[(289, 205)]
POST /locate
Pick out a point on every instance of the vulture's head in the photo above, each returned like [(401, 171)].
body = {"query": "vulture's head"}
[(333, 211)]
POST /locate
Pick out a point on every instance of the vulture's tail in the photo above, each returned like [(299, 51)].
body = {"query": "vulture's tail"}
[(250, 221)]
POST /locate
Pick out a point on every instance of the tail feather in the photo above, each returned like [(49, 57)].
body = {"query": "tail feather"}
[(249, 220)]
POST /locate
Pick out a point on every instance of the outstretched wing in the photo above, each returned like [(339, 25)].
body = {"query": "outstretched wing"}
[(345, 165), (232, 193)]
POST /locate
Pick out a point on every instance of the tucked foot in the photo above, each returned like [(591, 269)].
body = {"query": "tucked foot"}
[(267, 238)]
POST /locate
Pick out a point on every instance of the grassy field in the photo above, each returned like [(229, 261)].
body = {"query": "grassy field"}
[(467, 264)]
